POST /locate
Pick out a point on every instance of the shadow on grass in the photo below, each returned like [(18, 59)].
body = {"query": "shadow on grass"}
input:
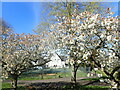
[(92, 82), (63, 86)]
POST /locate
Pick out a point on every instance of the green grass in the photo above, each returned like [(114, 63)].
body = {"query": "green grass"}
[(35, 75), (97, 86), (81, 74), (79, 87), (91, 79), (7, 86), (68, 74)]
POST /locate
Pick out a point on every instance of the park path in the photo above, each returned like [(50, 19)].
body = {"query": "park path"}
[(65, 79)]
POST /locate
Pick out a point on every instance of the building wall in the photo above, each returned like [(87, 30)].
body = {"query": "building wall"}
[(56, 62)]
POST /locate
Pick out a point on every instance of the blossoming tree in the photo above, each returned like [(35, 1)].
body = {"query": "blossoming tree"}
[(90, 38), (21, 52)]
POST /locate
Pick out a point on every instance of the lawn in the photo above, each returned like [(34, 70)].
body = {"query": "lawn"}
[(52, 73), (49, 74), (7, 86), (80, 87)]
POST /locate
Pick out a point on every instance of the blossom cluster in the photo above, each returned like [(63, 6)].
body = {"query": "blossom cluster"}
[(87, 34), (21, 52)]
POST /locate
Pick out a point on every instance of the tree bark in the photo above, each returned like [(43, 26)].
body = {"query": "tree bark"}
[(42, 72), (73, 73), (14, 82)]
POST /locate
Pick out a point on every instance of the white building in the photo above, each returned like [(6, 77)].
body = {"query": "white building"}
[(55, 62)]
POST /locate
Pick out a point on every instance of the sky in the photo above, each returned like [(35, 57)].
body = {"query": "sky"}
[(25, 16), (22, 16)]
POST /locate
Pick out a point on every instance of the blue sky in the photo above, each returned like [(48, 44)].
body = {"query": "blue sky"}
[(22, 16), (25, 16)]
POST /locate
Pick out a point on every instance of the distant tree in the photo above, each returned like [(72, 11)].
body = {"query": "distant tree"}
[(5, 28)]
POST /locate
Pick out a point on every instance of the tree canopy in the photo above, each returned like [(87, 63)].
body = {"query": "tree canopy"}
[(90, 38)]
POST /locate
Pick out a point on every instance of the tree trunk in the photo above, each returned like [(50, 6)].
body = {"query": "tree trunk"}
[(73, 73), (42, 73), (14, 82)]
